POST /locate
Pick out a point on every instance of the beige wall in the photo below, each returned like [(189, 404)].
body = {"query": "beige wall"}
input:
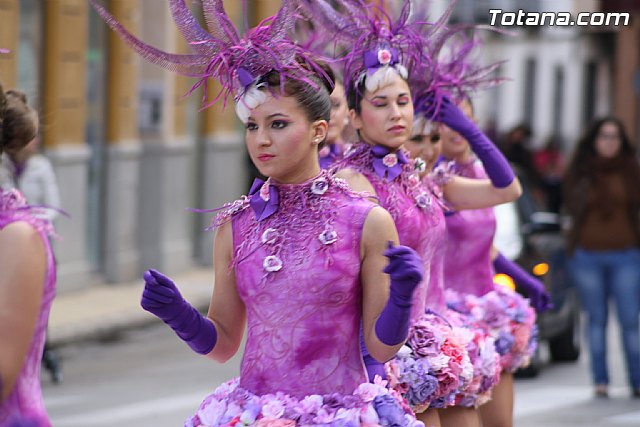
[(626, 70), (9, 29), (65, 47)]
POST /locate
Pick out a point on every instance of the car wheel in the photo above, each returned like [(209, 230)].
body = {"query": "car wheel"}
[(566, 346)]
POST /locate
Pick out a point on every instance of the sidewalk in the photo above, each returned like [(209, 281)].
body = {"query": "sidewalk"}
[(102, 310)]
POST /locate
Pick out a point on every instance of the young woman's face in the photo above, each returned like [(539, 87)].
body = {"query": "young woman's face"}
[(386, 115), (339, 114), (454, 146), (282, 142), (426, 146), (608, 140)]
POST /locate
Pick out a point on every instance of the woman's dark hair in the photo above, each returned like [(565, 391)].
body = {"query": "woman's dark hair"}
[(18, 121), (354, 94), (585, 151), (314, 98)]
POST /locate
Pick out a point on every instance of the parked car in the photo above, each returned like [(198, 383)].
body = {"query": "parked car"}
[(542, 253)]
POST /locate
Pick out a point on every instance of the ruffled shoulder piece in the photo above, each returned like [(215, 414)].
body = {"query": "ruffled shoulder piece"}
[(226, 213), (14, 207)]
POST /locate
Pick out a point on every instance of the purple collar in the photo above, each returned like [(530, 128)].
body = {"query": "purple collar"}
[(263, 198), (387, 165)]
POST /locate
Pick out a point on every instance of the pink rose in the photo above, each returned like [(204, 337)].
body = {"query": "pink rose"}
[(275, 422), (390, 160), (384, 56)]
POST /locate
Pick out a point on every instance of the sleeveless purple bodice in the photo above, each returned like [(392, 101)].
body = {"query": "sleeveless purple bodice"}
[(470, 235), (297, 272), (436, 300), (25, 400), (415, 210)]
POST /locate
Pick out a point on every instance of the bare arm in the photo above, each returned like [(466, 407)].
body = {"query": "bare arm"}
[(378, 230), (464, 193), (226, 310), (23, 267)]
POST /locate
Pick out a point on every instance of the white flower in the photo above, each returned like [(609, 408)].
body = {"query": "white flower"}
[(212, 413), (272, 263), (384, 56), (319, 186), (390, 160), (328, 237), (423, 200), (420, 165), (273, 409), (269, 236), (439, 362), (405, 351), (264, 192)]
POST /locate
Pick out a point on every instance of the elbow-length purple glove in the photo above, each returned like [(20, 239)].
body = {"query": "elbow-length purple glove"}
[(494, 162), (162, 298), (540, 298), (406, 271)]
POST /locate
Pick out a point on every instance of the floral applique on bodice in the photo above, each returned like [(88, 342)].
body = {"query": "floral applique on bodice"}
[(298, 274)]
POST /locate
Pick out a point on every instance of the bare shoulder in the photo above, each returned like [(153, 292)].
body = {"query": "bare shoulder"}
[(356, 180), (19, 235)]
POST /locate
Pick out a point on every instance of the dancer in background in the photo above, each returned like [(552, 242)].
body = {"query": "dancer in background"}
[(27, 282), (470, 265)]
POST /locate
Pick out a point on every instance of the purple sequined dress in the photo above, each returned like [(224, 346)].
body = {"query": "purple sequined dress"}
[(505, 314), (434, 365), (297, 272), (25, 401)]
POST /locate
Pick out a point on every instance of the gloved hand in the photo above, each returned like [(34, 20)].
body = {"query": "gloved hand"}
[(406, 271), (538, 295), (372, 366), (494, 162), (162, 298)]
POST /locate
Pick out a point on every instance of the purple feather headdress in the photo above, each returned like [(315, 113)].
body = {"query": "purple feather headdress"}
[(376, 41), (237, 62), (456, 71)]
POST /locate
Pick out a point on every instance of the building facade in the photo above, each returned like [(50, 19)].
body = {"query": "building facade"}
[(129, 151)]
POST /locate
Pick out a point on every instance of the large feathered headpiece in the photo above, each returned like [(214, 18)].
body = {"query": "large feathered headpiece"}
[(374, 39), (221, 53), (456, 70)]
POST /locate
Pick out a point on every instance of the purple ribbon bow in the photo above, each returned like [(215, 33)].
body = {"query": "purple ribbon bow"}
[(245, 77), (388, 165), (374, 59), (263, 200)]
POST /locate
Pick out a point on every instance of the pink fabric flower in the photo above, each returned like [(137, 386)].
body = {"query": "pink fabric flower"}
[(384, 56), (273, 409), (390, 160), (275, 422), (264, 192), (324, 151)]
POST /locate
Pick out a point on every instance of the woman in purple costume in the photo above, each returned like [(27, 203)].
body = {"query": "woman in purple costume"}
[(470, 264), (302, 260), (27, 281), (381, 109), (334, 147)]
